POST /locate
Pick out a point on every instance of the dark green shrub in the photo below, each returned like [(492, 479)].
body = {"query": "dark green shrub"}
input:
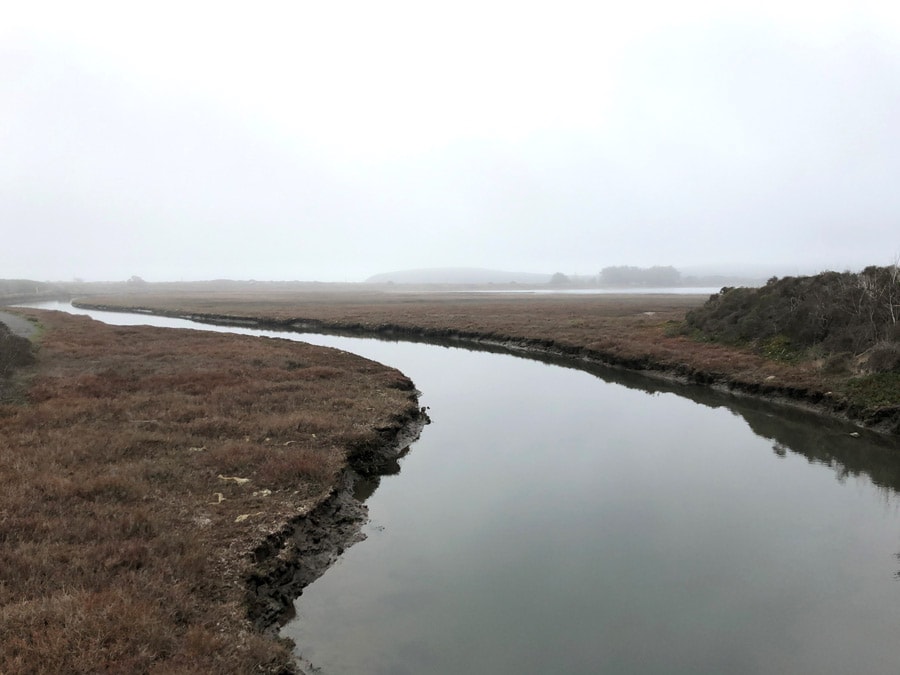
[(833, 311)]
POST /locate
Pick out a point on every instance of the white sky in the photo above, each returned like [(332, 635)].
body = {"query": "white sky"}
[(335, 140)]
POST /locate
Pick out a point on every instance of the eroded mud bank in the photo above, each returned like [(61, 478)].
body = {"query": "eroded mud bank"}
[(298, 554)]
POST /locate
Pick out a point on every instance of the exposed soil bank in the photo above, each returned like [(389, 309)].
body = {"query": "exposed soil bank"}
[(775, 389), (292, 558)]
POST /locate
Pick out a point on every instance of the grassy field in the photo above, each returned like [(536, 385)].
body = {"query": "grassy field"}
[(642, 332), (144, 471)]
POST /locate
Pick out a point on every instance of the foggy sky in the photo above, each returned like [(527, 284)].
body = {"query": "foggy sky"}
[(333, 141)]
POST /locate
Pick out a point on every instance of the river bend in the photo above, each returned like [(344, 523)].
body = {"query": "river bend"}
[(557, 520)]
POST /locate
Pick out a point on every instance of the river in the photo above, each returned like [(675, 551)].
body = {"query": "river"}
[(557, 520)]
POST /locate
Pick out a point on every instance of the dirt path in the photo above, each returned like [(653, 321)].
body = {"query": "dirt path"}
[(17, 325)]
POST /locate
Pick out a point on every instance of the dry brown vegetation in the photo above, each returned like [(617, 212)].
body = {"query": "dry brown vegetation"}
[(140, 469), (627, 327), (636, 331)]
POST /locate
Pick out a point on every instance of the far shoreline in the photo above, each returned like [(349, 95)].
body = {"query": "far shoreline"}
[(778, 389)]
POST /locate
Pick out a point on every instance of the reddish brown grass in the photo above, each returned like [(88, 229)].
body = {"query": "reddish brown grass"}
[(637, 331), (635, 327), (121, 546)]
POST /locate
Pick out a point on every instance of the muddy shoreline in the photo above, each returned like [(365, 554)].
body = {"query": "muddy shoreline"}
[(301, 551), (885, 421)]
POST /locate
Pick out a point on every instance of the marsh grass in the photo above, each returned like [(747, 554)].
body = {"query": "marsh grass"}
[(637, 331), (126, 471), (640, 329)]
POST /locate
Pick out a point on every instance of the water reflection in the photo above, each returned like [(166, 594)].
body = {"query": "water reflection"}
[(366, 484), (822, 440)]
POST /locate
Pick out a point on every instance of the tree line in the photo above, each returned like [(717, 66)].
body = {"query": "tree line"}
[(627, 275)]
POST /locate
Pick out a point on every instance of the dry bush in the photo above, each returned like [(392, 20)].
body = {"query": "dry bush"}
[(838, 364), (835, 311), (15, 352), (884, 357)]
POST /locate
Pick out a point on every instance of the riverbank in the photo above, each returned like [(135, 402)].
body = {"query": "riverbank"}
[(166, 492), (635, 332)]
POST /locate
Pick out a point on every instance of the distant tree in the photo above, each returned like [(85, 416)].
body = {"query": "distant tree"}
[(136, 280), (625, 275), (559, 279), (663, 276)]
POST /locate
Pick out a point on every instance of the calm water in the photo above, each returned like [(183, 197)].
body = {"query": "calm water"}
[(549, 520)]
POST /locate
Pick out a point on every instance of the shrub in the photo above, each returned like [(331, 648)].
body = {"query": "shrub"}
[(835, 311), (884, 358), (15, 351), (838, 364), (875, 391)]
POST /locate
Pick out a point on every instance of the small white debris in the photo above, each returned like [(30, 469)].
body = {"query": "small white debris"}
[(219, 496), (235, 479), (262, 493), (854, 434), (201, 449), (770, 378), (244, 516)]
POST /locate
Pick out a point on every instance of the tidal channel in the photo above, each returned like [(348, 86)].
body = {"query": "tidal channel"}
[(552, 519)]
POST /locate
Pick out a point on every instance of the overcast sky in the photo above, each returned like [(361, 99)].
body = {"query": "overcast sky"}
[(335, 140)]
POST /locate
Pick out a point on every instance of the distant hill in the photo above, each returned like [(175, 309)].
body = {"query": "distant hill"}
[(458, 275)]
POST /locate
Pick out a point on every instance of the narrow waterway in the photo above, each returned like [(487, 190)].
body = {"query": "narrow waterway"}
[(557, 520)]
